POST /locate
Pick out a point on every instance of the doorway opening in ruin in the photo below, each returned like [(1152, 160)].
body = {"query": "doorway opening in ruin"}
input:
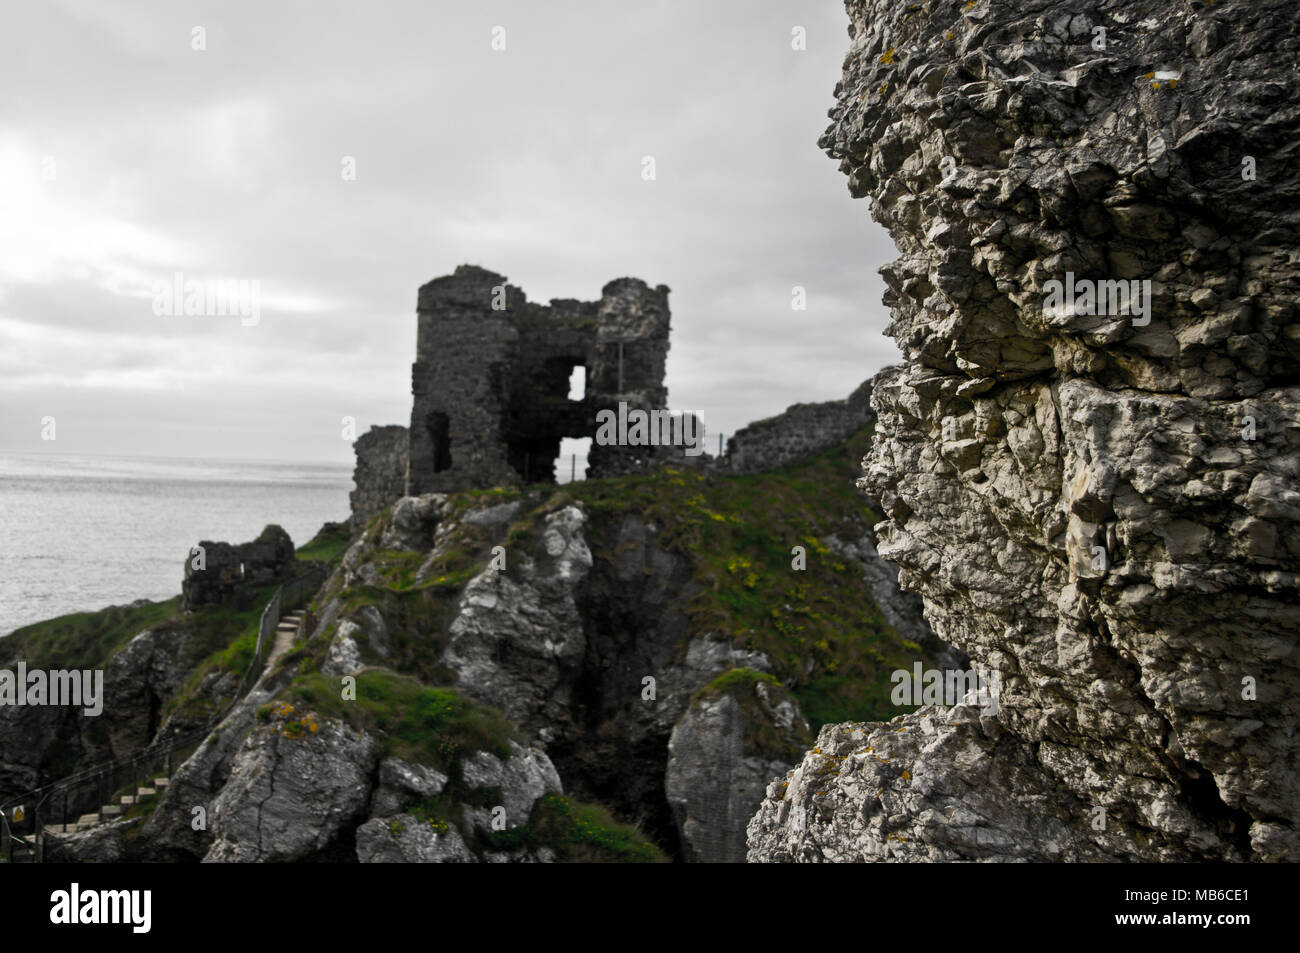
[(578, 383), (440, 437), (571, 464), (547, 404)]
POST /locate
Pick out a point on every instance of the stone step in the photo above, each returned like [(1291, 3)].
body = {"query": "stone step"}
[(111, 810), (60, 828), (161, 783), (128, 800), (143, 793), (87, 820)]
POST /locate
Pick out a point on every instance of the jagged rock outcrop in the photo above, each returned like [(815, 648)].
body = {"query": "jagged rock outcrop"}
[(276, 782), (562, 644), (402, 784), (521, 778), (1099, 502), (407, 839), (718, 768), (293, 787)]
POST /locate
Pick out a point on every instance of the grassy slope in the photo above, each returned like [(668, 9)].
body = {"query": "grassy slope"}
[(820, 627)]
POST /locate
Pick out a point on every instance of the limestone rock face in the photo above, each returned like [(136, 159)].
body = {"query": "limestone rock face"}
[(401, 784), (1099, 502), (344, 657), (712, 783), (406, 839), (175, 831), (138, 681), (103, 844), (290, 791), (534, 611), (562, 646), (521, 778)]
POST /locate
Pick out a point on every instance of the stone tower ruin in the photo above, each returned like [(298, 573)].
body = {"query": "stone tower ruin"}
[(491, 379)]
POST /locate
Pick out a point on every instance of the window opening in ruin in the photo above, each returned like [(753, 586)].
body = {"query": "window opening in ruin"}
[(440, 436), (571, 464), (241, 570), (578, 383)]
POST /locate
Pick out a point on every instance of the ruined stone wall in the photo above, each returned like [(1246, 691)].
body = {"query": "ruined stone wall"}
[(380, 474), (464, 351), (1103, 507), (224, 572), (491, 377), (802, 431)]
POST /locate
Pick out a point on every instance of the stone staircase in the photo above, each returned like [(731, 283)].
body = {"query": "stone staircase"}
[(287, 632), (26, 848), (108, 812)]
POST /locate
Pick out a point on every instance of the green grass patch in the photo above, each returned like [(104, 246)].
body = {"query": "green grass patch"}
[(219, 639), (83, 639), (737, 682), (328, 545), (762, 737), (431, 726), (577, 832)]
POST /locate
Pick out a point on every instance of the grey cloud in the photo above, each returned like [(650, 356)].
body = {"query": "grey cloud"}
[(526, 162)]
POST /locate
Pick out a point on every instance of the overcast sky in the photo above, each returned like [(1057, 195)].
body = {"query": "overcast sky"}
[(126, 156)]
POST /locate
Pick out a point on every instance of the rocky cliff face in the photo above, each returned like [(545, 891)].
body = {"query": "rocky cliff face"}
[(562, 642), (1094, 492)]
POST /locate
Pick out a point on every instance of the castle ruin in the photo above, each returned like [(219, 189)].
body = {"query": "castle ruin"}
[(490, 387), (491, 378)]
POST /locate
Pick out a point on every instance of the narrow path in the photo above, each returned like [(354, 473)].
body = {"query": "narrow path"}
[(286, 633)]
